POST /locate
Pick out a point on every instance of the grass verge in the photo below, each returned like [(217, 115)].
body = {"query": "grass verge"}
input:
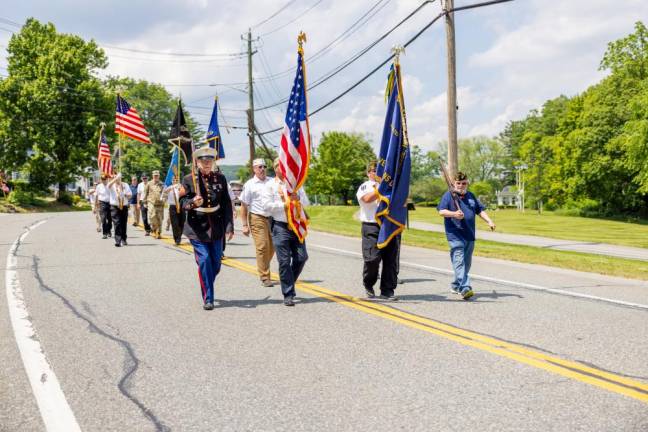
[(339, 220), (548, 224), (43, 205)]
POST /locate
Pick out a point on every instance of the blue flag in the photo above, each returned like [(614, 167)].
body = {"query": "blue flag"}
[(213, 133), (394, 164), (173, 168)]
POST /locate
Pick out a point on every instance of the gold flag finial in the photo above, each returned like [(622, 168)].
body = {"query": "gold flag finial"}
[(397, 50), (301, 38)]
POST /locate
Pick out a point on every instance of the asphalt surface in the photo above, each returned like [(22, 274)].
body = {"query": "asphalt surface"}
[(549, 243), (124, 331)]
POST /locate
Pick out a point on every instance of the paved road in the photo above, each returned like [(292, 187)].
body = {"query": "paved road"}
[(549, 243), (124, 332)]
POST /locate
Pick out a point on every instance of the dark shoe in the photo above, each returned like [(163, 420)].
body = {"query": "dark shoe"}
[(124, 243), (390, 297), (288, 301), (117, 245), (109, 235), (370, 293), (208, 306), (400, 281), (466, 293), (267, 283), (104, 236), (147, 233)]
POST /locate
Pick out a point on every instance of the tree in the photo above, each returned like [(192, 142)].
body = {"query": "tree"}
[(423, 164), (51, 104), (339, 165)]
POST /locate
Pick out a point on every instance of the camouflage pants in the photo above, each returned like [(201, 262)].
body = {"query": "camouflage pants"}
[(155, 216)]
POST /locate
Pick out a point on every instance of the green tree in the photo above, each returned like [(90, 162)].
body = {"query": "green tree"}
[(339, 164), (51, 104), (423, 164)]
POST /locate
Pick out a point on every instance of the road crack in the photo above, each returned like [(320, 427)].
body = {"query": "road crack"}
[(131, 362)]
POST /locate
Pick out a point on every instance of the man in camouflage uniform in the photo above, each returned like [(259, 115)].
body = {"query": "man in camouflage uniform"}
[(154, 203)]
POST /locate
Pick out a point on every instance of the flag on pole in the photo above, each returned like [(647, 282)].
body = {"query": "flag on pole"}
[(394, 163), (103, 158), (294, 151), (214, 139), (180, 135), (173, 168), (129, 123)]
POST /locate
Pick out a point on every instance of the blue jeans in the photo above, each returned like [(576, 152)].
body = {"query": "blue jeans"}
[(461, 256), (291, 256), (208, 257)]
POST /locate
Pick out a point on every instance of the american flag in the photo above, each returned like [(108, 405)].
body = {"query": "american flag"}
[(129, 123), (103, 158), (294, 153)]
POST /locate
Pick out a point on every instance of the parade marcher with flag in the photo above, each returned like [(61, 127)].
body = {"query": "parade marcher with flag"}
[(458, 207), (203, 195), (120, 195), (392, 173), (103, 199), (285, 199), (176, 215), (141, 204), (133, 200)]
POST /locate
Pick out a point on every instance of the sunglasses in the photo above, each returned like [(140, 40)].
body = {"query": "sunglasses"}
[(462, 183), (262, 166), (206, 158)]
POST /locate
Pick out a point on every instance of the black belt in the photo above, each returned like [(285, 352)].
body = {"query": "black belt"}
[(281, 224), (370, 223)]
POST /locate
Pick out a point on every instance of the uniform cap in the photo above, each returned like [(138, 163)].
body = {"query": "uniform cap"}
[(156, 172), (258, 162), (205, 152)]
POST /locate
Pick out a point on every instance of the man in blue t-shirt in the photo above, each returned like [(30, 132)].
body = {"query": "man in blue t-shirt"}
[(460, 230)]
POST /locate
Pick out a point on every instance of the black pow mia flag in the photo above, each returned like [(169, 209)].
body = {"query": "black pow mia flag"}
[(180, 135)]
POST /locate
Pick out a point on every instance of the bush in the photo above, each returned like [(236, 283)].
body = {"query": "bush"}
[(21, 198), (66, 199), (76, 199)]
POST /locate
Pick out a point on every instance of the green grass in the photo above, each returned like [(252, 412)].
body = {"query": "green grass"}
[(555, 226), (339, 220), (42, 205)]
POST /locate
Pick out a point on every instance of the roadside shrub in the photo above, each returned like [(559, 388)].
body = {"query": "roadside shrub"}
[(66, 199), (21, 198)]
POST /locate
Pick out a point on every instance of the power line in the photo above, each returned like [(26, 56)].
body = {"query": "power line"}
[(355, 57), (293, 20), (281, 9), (410, 41), (176, 54)]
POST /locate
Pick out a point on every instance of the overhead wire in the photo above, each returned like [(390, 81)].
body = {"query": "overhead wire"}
[(293, 20), (405, 45), (281, 9)]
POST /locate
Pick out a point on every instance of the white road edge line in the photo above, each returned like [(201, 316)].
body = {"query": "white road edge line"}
[(55, 411), (498, 281)]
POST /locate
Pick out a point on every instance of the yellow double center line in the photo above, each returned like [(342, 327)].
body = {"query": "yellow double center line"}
[(567, 368)]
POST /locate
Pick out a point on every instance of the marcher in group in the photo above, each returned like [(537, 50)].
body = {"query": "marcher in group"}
[(291, 253), (103, 197), (133, 200), (141, 204), (154, 204), (94, 205), (120, 195), (460, 230), (372, 256), (176, 215), (254, 218), (209, 218)]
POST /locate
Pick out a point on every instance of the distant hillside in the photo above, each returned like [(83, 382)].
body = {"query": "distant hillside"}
[(230, 171)]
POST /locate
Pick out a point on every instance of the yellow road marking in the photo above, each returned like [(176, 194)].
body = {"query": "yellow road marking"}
[(567, 368)]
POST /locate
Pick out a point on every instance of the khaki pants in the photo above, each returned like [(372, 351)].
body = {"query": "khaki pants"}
[(260, 229), (136, 214)]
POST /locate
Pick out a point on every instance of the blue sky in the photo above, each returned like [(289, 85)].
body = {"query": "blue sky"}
[(510, 57)]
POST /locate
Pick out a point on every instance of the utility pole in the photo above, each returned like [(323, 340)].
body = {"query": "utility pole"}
[(452, 87), (250, 111)]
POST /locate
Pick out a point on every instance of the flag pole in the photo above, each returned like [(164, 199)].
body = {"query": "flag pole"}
[(103, 125)]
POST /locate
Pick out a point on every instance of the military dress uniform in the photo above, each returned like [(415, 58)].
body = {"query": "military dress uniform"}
[(155, 205), (206, 226)]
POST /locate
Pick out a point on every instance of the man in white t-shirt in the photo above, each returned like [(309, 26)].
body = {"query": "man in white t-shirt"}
[(258, 222), (142, 205), (368, 199), (103, 198)]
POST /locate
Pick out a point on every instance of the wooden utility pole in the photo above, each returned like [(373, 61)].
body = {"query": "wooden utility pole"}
[(452, 88), (250, 111)]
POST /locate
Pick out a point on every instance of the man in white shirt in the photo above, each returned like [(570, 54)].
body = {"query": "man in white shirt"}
[(94, 204), (291, 254), (103, 198), (372, 256), (120, 195), (142, 205), (255, 219), (176, 213)]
